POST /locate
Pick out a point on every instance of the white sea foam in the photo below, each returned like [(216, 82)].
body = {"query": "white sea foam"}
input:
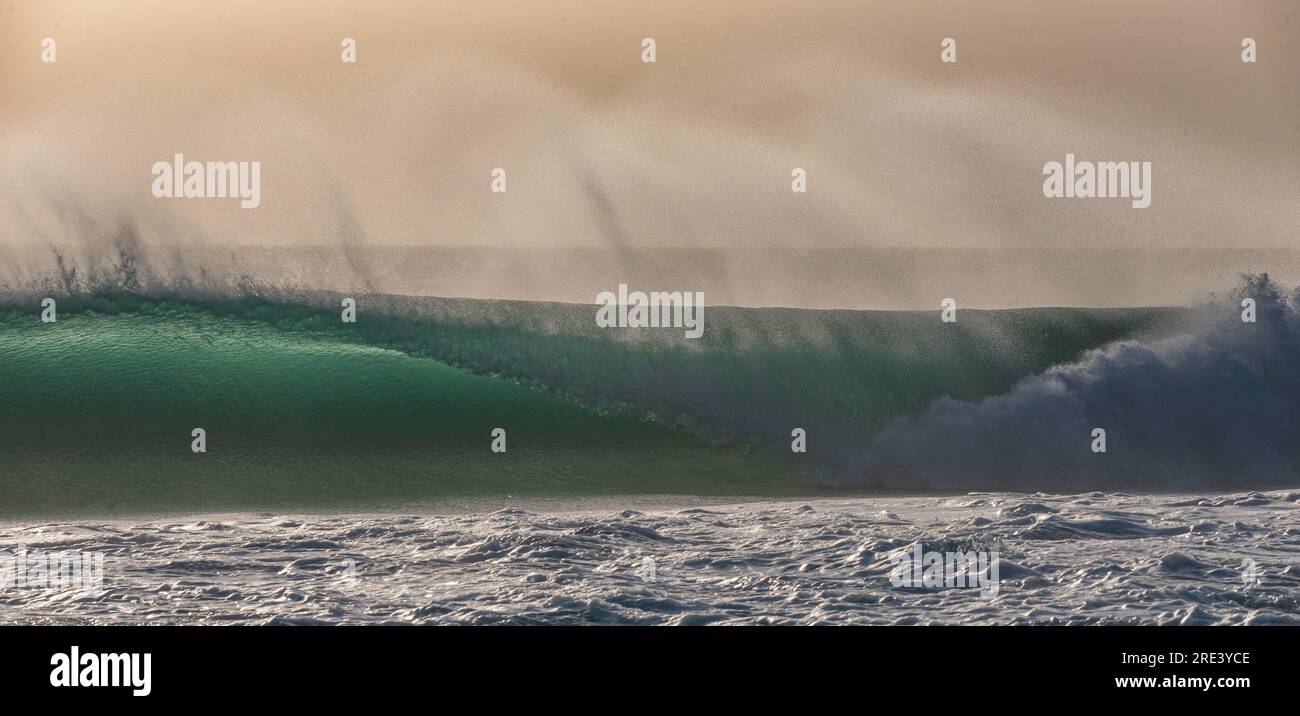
[(1095, 558), (1211, 410)]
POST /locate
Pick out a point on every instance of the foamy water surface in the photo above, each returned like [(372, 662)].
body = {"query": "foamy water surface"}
[(1086, 559)]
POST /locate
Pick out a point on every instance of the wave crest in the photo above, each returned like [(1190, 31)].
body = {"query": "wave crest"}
[(1218, 409)]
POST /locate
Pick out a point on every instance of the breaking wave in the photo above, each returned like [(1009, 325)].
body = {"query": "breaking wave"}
[(1216, 409), (1000, 400)]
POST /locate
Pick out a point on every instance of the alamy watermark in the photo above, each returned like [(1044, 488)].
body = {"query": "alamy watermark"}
[(64, 570), (649, 572), (654, 309), (77, 669), (1101, 180), (918, 568), (179, 179)]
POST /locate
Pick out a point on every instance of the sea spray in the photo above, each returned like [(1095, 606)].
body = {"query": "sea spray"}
[(1215, 409)]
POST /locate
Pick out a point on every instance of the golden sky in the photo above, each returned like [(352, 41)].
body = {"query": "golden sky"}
[(694, 150)]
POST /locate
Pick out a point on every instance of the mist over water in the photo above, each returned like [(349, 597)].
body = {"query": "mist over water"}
[(912, 196)]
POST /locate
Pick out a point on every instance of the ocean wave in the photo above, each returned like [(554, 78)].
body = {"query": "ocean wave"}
[(1216, 409), (754, 376), (1187, 401)]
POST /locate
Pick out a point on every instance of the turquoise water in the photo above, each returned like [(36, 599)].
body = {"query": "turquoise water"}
[(300, 410)]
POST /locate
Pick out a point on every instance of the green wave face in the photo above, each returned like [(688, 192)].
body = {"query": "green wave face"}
[(303, 411), (97, 412)]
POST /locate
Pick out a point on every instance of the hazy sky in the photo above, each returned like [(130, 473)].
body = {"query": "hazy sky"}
[(693, 150)]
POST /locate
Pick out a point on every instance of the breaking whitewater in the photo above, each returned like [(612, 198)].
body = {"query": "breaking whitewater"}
[(1096, 558)]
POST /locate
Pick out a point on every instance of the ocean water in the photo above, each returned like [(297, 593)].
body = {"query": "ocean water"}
[(1095, 558), (303, 411), (349, 476)]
